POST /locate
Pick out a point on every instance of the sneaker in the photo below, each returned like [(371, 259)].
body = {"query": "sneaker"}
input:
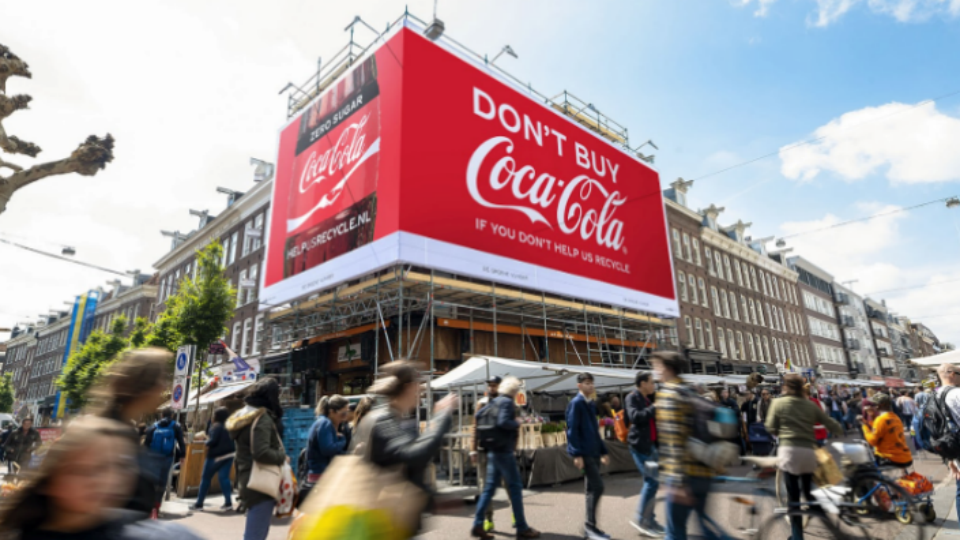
[(197, 507), (529, 533), (227, 506), (593, 533), (488, 525), (652, 531), (478, 532)]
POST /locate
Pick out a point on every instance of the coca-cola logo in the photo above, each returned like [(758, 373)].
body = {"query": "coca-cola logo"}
[(337, 162), (581, 205)]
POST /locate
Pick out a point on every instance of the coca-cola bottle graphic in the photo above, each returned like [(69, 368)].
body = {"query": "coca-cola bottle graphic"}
[(332, 204)]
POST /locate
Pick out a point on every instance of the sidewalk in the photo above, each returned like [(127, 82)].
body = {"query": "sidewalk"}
[(946, 527)]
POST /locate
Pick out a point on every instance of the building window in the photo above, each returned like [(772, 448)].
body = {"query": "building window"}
[(689, 326), (677, 247), (753, 278), (698, 325), (741, 351), (257, 324), (247, 239), (708, 331), (247, 328), (254, 277), (716, 302), (732, 344), (783, 353), (776, 354), (752, 348), (258, 225), (746, 312), (240, 289), (736, 266), (726, 267), (783, 322), (708, 254), (232, 254), (716, 259), (686, 248), (235, 337), (696, 253), (703, 293), (763, 283), (726, 304), (733, 306), (753, 311), (682, 285), (693, 289)]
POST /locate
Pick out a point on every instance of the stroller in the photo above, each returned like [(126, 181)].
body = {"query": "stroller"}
[(760, 440)]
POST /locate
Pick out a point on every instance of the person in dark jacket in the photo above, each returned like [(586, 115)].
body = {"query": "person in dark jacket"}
[(325, 441), (257, 431), (21, 444), (587, 449), (642, 415), (749, 408), (220, 453), (502, 463), (385, 441), (166, 446)]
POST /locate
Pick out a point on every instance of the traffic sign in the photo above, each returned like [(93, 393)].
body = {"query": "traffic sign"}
[(182, 361), (178, 393)]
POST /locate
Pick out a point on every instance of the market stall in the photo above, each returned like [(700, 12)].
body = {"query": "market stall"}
[(548, 387)]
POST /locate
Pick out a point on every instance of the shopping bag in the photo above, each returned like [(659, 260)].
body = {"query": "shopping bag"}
[(620, 425), (356, 499), (915, 483), (288, 492), (827, 473)]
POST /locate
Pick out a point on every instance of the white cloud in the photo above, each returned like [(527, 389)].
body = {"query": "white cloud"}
[(829, 11), (910, 144)]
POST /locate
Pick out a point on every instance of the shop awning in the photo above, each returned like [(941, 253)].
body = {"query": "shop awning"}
[(553, 378), (222, 392), (949, 357)]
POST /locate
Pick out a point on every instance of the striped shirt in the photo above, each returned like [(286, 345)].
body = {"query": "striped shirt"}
[(674, 426)]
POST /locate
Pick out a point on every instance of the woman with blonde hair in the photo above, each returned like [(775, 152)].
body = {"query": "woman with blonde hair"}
[(792, 418), (83, 479)]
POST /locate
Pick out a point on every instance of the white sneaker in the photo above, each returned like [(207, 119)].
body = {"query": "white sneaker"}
[(653, 531)]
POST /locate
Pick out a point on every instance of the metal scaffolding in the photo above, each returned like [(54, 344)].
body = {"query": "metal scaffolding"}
[(407, 304)]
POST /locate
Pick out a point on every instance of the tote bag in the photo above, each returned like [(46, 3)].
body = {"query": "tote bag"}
[(265, 478)]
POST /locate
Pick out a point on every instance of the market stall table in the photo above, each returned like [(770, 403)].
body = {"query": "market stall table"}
[(552, 465)]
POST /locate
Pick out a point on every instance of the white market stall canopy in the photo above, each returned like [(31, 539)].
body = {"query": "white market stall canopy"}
[(555, 378), (212, 396), (949, 357)]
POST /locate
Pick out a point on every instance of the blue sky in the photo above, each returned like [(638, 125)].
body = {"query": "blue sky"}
[(712, 82)]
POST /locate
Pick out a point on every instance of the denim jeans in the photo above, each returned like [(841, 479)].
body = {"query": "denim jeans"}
[(593, 485), (258, 521), (222, 470), (648, 493), (160, 475), (677, 514), (502, 465), (838, 416), (958, 497)]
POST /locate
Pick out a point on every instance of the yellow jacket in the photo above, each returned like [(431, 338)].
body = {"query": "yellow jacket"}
[(886, 438)]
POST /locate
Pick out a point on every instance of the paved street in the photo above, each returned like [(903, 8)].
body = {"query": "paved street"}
[(558, 511)]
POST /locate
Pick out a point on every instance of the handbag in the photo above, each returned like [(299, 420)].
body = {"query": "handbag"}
[(827, 473), (264, 478), (355, 498), (287, 501)]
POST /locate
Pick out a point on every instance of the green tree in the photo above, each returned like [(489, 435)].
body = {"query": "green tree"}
[(163, 334), (86, 364), (199, 311), (6, 393), (140, 333)]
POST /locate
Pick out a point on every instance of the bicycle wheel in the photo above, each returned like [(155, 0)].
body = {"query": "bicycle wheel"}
[(819, 526), (882, 506)]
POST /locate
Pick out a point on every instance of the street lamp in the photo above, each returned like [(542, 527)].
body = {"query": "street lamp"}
[(436, 28), (68, 251), (953, 202), (264, 170)]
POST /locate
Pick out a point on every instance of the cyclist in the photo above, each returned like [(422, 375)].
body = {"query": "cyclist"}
[(792, 418), (885, 435)]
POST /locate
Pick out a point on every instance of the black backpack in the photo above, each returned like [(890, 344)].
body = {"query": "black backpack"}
[(489, 436), (938, 428)]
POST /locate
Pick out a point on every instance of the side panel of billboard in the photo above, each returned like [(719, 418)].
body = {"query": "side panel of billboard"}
[(420, 156)]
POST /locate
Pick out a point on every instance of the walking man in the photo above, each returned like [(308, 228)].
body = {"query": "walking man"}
[(476, 457), (641, 413), (908, 409), (501, 461), (165, 441), (21, 444), (688, 481), (587, 449)]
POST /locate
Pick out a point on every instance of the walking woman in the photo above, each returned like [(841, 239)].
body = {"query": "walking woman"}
[(791, 418), (326, 440), (257, 430), (84, 477), (390, 442), (362, 410), (220, 453)]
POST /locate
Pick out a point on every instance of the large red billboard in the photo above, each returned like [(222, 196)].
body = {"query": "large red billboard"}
[(420, 155)]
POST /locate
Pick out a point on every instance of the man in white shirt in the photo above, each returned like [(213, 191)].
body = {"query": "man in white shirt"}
[(949, 380)]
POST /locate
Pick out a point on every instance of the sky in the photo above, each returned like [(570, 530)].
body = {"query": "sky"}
[(852, 106)]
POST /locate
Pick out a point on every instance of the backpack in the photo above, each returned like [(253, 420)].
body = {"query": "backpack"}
[(164, 439), (938, 428), (489, 436), (713, 425), (620, 427)]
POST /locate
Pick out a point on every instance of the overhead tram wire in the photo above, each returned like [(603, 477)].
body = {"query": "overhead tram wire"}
[(62, 258), (867, 218), (818, 139), (912, 287)]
